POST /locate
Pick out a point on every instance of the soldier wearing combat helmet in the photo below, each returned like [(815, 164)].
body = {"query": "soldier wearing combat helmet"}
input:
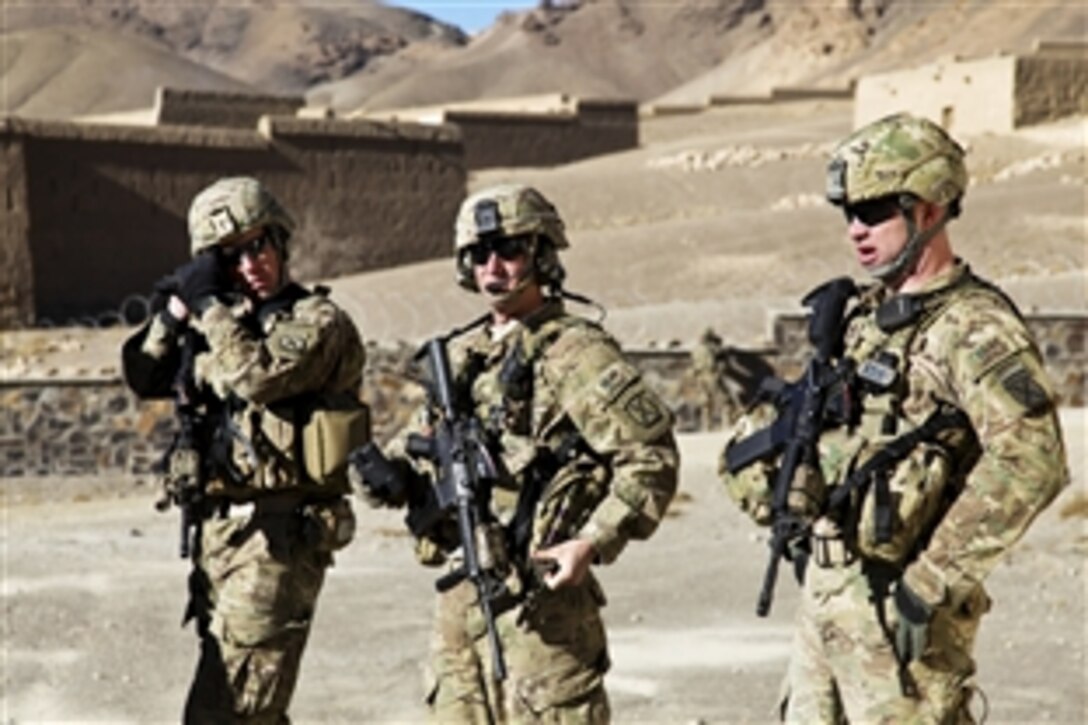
[(256, 364), (944, 447), (587, 460)]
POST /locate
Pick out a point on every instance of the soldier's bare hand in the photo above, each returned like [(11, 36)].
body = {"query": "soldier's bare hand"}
[(572, 559)]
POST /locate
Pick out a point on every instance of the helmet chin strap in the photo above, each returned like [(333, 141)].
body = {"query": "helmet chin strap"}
[(896, 271)]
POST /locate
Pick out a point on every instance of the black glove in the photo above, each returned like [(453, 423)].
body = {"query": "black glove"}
[(201, 279), (912, 628)]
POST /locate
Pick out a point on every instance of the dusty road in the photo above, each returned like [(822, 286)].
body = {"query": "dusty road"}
[(92, 596)]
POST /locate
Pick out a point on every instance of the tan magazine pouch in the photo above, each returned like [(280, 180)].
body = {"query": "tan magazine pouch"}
[(336, 427)]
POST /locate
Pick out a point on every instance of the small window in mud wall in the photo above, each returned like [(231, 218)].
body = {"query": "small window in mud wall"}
[(948, 118)]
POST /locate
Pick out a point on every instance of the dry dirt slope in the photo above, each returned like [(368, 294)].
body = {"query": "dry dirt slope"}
[(60, 72)]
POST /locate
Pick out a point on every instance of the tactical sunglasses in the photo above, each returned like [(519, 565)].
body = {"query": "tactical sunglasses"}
[(508, 249), (232, 255), (872, 212)]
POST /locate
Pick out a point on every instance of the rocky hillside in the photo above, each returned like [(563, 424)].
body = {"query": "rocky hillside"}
[(132, 46), (365, 54), (814, 43)]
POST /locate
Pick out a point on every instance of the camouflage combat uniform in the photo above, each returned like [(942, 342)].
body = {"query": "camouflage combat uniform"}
[(586, 406), (708, 371), (940, 445), (268, 539), (957, 504)]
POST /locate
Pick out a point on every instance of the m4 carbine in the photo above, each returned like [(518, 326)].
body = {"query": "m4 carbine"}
[(184, 462), (803, 413), (466, 473)]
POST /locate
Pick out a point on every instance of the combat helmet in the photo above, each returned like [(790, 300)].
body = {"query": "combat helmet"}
[(509, 210), (231, 207), (904, 157)]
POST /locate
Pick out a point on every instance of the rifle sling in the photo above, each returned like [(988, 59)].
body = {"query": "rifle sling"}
[(880, 464), (539, 474)]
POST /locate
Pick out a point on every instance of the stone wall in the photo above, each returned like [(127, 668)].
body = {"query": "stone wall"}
[(80, 429), (532, 131), (965, 97), (96, 213), (95, 427), (985, 95), (184, 107), (16, 286), (1050, 87)]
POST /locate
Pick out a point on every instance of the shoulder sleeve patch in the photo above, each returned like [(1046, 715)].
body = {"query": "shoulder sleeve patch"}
[(614, 380), (990, 352), (642, 407), (292, 340), (1022, 387)]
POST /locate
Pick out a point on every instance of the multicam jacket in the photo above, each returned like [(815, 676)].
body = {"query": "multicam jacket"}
[(959, 501), (570, 397), (262, 368)]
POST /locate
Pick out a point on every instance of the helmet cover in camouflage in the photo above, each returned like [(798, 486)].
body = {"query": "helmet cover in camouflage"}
[(509, 210), (899, 154), (231, 207)]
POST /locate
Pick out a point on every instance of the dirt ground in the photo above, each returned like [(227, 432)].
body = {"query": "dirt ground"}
[(92, 594)]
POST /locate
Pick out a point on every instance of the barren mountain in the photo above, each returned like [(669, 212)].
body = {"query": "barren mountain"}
[(365, 54), (610, 48), (59, 72), (686, 50), (819, 44), (275, 47)]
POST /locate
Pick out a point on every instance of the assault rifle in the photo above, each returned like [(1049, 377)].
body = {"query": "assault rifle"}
[(184, 462), (804, 411), (466, 473), (201, 446)]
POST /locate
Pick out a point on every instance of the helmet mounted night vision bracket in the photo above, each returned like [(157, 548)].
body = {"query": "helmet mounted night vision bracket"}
[(487, 217)]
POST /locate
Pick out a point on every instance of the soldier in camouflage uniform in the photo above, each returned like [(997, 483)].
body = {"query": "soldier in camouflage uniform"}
[(708, 371), (273, 362), (590, 462), (953, 392)]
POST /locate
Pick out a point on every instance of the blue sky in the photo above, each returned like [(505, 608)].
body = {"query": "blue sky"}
[(470, 15)]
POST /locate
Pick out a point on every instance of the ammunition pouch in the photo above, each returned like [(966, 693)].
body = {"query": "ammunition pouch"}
[(828, 547), (182, 469), (898, 487), (311, 436), (328, 526), (329, 436), (891, 524)]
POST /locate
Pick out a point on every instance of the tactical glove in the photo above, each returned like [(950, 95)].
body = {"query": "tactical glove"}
[(200, 280), (912, 628)]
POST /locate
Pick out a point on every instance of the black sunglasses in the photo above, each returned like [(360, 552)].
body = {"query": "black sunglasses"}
[(508, 249), (232, 255), (872, 212)]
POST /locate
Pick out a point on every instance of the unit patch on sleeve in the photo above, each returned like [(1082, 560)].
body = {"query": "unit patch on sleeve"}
[(643, 409), (1022, 386)]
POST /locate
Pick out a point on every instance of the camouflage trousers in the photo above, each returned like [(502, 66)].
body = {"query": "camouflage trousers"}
[(254, 588), (844, 668), (555, 651)]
